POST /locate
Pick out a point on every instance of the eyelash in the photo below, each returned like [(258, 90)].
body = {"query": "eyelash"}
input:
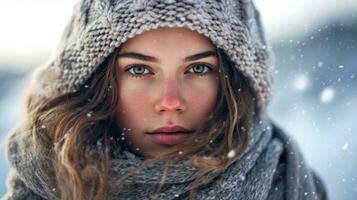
[(142, 65)]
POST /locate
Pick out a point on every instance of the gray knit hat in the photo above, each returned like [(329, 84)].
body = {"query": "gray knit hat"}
[(98, 27)]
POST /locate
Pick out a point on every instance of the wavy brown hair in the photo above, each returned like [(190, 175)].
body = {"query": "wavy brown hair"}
[(86, 117)]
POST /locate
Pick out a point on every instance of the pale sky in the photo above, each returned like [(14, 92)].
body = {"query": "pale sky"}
[(30, 29)]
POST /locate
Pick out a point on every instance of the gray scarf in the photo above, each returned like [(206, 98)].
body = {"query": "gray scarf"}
[(271, 167)]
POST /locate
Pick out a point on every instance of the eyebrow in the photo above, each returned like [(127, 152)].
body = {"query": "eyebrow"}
[(154, 59)]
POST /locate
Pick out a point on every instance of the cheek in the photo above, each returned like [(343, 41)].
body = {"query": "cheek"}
[(131, 104), (203, 95)]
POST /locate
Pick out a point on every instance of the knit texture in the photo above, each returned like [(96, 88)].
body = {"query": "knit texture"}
[(98, 27), (270, 168)]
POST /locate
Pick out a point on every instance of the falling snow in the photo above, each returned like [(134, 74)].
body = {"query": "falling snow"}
[(327, 95), (345, 146), (315, 97), (242, 177), (63, 139), (316, 101), (300, 82), (231, 154), (89, 114), (320, 64)]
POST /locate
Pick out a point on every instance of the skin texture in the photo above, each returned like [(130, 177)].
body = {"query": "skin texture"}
[(168, 91)]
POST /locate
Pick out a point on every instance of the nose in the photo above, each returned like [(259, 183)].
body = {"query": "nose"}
[(170, 98)]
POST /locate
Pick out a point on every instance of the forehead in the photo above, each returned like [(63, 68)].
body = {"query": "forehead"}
[(180, 40)]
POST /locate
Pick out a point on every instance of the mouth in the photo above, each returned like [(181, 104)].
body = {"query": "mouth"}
[(169, 138), (171, 129), (169, 134)]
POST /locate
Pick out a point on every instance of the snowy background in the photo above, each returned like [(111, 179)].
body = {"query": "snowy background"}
[(315, 45)]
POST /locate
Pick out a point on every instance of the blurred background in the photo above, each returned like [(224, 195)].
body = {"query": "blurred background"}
[(315, 45)]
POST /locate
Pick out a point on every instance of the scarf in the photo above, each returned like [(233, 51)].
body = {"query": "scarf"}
[(271, 167)]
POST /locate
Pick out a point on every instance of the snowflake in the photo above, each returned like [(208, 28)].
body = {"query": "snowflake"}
[(327, 95), (345, 146), (231, 153), (89, 114), (300, 82)]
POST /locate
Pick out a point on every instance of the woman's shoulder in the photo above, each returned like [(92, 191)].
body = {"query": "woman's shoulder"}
[(293, 174)]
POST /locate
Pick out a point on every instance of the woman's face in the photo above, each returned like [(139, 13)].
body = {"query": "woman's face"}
[(167, 77)]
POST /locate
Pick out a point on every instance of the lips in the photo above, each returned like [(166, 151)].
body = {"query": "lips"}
[(168, 135), (171, 129)]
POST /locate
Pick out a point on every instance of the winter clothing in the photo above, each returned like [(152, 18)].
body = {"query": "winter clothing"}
[(271, 167), (99, 26)]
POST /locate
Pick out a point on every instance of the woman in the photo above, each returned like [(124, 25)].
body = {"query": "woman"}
[(156, 100)]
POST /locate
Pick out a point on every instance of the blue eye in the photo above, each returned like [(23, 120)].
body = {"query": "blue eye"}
[(138, 70), (200, 69)]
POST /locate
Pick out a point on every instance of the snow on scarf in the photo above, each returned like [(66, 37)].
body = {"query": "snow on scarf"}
[(270, 168)]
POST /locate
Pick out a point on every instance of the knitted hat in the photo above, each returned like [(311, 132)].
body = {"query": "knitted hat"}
[(98, 27)]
